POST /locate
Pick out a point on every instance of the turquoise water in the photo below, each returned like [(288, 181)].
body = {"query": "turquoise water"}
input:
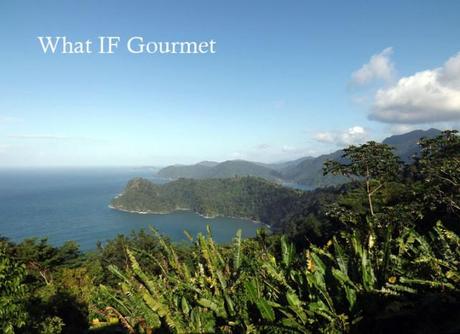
[(72, 204)]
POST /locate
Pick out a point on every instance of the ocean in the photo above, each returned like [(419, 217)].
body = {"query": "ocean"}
[(72, 204)]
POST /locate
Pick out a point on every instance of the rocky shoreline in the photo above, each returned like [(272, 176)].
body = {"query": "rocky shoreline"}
[(148, 212)]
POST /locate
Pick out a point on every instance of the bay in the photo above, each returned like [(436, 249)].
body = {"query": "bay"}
[(72, 204)]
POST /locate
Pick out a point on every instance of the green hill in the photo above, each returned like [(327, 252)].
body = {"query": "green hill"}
[(197, 171), (243, 197), (231, 168)]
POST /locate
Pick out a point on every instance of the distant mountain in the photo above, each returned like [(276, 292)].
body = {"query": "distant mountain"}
[(406, 144), (243, 168), (307, 171), (310, 171), (278, 166), (225, 169), (197, 171)]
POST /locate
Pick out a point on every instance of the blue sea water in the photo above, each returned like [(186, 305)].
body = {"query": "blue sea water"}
[(72, 204)]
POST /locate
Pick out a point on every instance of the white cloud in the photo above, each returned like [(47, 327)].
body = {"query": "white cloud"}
[(450, 72), (426, 97), (325, 137), (352, 136), (379, 67)]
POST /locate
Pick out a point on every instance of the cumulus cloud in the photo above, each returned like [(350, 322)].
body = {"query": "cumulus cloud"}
[(379, 67), (425, 97), (352, 136)]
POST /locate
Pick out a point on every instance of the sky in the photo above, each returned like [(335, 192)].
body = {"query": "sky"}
[(288, 79)]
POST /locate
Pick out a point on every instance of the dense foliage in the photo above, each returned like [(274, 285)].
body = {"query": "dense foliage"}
[(244, 197), (386, 258), (44, 289), (13, 297)]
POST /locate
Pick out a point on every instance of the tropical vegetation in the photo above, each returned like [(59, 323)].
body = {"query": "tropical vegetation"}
[(386, 259)]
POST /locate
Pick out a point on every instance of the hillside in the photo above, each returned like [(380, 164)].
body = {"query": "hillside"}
[(231, 168), (279, 166), (197, 171), (244, 197), (309, 172), (406, 144), (306, 171)]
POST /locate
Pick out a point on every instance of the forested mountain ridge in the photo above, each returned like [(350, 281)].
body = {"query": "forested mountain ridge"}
[(406, 145), (230, 168), (305, 171), (197, 171), (309, 172)]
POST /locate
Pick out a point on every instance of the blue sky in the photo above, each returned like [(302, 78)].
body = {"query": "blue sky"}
[(289, 79)]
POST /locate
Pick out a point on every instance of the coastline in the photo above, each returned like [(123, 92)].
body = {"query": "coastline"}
[(187, 209)]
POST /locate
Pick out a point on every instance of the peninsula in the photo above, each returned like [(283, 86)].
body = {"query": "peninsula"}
[(243, 197)]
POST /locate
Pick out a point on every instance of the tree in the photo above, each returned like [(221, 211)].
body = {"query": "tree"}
[(13, 314), (42, 259), (374, 162), (439, 171)]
